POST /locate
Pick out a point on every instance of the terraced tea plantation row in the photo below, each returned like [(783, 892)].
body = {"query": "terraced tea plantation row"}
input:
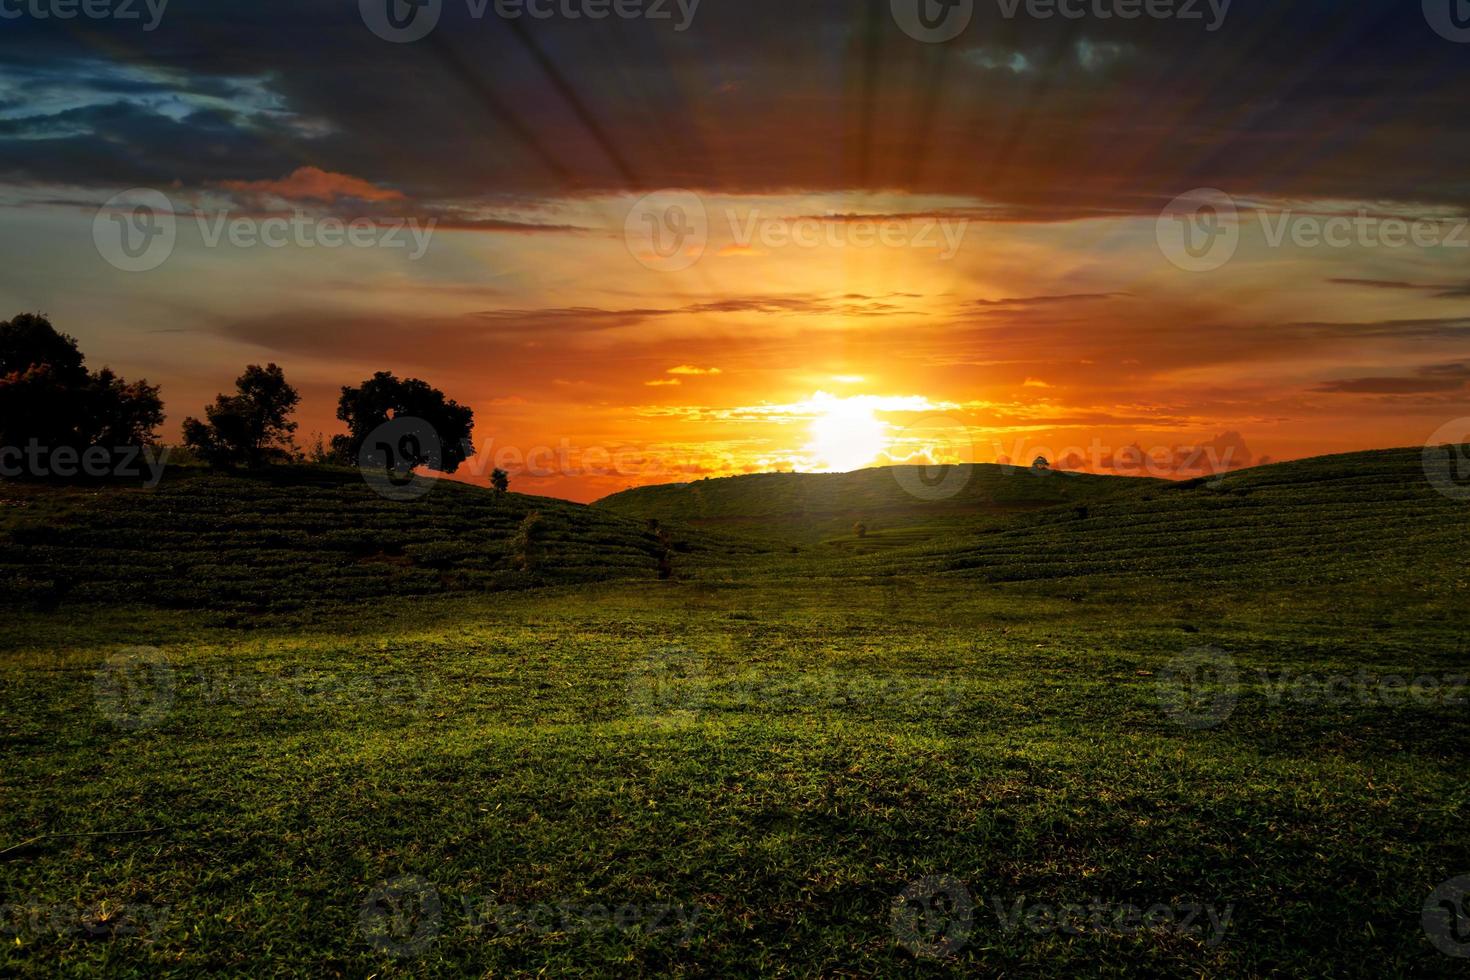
[(808, 507), (296, 537), (1357, 518)]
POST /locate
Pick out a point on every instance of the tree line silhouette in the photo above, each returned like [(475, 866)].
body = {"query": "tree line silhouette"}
[(49, 399)]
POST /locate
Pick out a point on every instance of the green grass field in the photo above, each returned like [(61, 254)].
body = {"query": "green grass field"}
[(1052, 726)]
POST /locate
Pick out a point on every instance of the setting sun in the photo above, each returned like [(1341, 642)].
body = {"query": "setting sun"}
[(847, 435)]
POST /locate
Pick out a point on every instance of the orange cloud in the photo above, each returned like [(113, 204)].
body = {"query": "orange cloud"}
[(690, 369), (315, 184)]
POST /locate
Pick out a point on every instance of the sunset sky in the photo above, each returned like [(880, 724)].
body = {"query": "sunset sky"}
[(1019, 300)]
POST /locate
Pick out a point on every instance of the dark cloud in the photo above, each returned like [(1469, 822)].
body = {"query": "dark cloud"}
[(1432, 379), (1435, 290), (1024, 301), (1046, 118)]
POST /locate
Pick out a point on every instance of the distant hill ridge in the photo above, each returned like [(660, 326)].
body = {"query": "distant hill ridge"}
[(958, 488)]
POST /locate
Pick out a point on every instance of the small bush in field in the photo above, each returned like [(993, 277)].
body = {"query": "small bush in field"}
[(528, 546), (860, 529)]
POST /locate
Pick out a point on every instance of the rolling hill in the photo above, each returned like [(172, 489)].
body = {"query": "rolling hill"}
[(1370, 516), (296, 537), (905, 503)]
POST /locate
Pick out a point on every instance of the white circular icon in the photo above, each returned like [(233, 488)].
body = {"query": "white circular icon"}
[(1199, 688), (135, 231), (669, 682), (134, 689), (936, 436), (668, 230), (1447, 460), (401, 21), (933, 21), (933, 917), (401, 917), (392, 454), (1199, 231), (1449, 18), (1446, 917)]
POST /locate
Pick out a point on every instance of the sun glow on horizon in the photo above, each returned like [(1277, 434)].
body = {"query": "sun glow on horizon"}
[(846, 436)]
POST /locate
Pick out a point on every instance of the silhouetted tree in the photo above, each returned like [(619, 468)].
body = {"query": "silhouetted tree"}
[(500, 480), (1040, 463), (383, 397), (47, 395), (323, 454), (249, 428)]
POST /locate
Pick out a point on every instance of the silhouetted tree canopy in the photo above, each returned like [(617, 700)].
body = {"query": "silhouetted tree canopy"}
[(251, 427), (383, 397), (500, 480), (48, 395)]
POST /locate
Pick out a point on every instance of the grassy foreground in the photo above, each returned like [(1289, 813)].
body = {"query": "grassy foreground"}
[(792, 765)]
